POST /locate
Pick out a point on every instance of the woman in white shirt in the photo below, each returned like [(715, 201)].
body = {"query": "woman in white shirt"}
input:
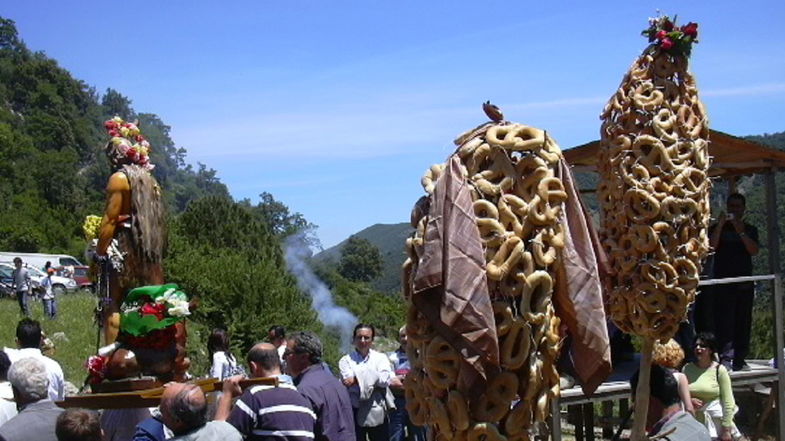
[(224, 364), (367, 374)]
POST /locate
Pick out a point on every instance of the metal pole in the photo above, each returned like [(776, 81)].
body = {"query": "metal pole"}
[(779, 340)]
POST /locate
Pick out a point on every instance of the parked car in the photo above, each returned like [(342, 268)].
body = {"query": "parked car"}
[(81, 274), (7, 279), (5, 285), (60, 285)]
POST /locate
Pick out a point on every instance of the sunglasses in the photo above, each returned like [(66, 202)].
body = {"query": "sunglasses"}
[(701, 345)]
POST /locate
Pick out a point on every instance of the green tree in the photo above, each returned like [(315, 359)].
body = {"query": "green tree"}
[(220, 253), (361, 261), (282, 222), (116, 104)]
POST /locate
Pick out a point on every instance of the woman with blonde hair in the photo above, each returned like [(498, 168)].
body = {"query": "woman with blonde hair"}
[(670, 355)]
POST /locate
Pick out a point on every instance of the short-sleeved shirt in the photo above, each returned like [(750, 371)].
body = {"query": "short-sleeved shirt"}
[(681, 426), (731, 258), (270, 413), (21, 279), (53, 369), (212, 431), (331, 403)]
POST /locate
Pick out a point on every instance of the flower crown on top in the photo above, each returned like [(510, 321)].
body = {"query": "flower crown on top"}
[(129, 141), (664, 34)]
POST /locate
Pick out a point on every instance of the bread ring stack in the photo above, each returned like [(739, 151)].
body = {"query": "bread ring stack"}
[(654, 194), (518, 203)]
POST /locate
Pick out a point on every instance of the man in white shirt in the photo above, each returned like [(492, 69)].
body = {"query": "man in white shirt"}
[(29, 340), (7, 404)]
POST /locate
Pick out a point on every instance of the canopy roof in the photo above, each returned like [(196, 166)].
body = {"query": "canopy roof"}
[(731, 156)]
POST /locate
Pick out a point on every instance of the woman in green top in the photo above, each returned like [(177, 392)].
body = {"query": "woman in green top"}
[(710, 389)]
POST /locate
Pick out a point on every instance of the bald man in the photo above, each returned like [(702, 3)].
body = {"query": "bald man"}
[(267, 413), (184, 411)]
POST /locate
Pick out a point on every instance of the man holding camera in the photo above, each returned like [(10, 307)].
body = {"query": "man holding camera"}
[(734, 243)]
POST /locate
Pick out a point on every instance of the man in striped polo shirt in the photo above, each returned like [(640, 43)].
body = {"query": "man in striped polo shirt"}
[(267, 413)]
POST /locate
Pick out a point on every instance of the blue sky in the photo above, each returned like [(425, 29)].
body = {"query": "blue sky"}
[(338, 107)]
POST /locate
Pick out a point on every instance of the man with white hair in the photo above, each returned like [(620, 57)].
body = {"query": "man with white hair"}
[(37, 414)]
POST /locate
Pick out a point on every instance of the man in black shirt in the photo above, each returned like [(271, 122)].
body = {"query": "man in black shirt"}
[(734, 242)]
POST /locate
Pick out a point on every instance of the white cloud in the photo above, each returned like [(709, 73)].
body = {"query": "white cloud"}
[(359, 131), (759, 89)]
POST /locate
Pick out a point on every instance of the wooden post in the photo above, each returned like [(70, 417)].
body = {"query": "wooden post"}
[(772, 226), (588, 420), (607, 422), (732, 180), (642, 393), (778, 356), (556, 420), (774, 266)]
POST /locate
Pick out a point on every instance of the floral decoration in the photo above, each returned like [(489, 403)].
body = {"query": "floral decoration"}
[(91, 227), (96, 368), (128, 139), (150, 309), (663, 33)]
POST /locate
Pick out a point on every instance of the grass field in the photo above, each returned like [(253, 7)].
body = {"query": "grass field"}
[(75, 322)]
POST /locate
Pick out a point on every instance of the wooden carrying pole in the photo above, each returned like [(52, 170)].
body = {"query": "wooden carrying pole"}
[(642, 392)]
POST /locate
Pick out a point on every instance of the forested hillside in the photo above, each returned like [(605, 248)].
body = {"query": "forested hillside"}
[(52, 168), (390, 239), (227, 253)]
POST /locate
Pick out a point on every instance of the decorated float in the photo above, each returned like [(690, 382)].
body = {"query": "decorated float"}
[(654, 193), (500, 240)]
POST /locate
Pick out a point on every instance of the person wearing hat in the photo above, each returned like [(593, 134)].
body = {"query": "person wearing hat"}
[(48, 297)]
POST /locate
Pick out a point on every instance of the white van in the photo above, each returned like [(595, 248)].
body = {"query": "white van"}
[(39, 260)]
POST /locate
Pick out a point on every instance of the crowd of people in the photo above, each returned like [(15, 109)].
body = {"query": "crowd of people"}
[(693, 400), (22, 285), (308, 403), (364, 400)]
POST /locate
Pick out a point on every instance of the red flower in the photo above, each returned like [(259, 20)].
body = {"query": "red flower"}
[(96, 367), (690, 29), (667, 25), (111, 124), (661, 35), (114, 133), (158, 310), (139, 138), (666, 43), (133, 155)]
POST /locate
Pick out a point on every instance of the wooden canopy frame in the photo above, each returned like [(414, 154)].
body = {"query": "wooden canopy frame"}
[(733, 157)]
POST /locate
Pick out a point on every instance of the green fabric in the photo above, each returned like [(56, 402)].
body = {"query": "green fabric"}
[(138, 325), (152, 291), (711, 384)]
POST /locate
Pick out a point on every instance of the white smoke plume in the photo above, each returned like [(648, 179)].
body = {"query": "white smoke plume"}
[(296, 254)]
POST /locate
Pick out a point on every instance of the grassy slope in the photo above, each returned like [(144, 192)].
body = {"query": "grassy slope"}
[(74, 320)]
